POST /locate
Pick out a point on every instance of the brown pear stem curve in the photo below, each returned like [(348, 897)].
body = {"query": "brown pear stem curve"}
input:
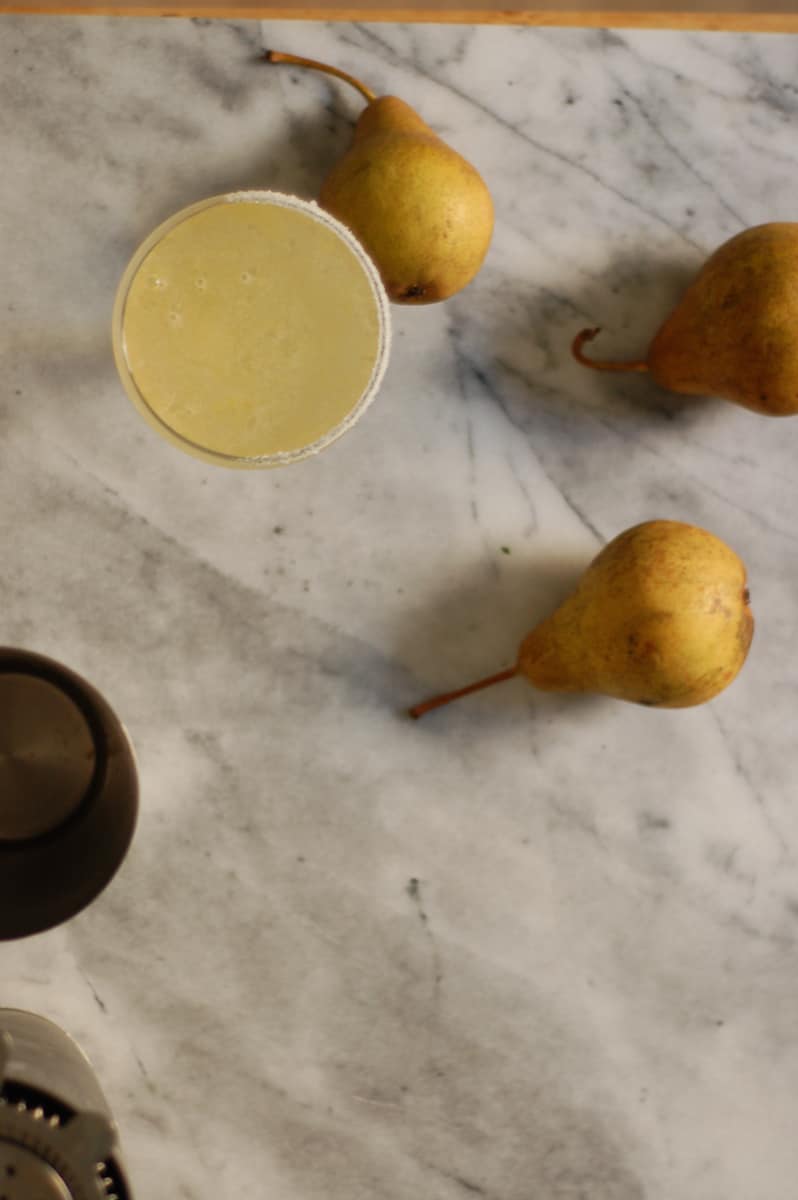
[(295, 60), (597, 364), (418, 710)]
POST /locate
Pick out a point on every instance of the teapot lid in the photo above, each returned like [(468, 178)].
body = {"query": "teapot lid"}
[(48, 756), (68, 793)]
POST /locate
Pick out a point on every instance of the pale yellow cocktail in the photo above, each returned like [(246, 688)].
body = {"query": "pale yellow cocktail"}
[(251, 329)]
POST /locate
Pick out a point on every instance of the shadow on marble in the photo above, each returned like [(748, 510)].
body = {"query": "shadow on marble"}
[(299, 159), (535, 342), (296, 162), (474, 625)]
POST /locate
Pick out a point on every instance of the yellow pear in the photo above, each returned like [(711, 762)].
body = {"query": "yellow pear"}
[(422, 212), (734, 334), (660, 617)]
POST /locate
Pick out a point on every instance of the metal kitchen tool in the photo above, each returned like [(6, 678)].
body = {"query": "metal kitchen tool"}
[(68, 794), (58, 1139)]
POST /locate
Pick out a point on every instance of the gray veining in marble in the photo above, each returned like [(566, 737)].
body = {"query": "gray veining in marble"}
[(535, 948)]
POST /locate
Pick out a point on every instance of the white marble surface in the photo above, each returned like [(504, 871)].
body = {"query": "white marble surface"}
[(590, 991)]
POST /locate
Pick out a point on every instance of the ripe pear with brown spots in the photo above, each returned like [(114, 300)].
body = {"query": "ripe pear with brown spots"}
[(422, 212), (660, 617), (734, 334)]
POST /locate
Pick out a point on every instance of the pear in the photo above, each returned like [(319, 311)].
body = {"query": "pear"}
[(660, 617), (422, 212), (734, 334)]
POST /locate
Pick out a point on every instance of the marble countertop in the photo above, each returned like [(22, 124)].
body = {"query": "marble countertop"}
[(535, 947)]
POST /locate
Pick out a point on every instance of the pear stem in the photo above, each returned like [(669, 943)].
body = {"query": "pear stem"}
[(418, 710), (294, 60), (596, 364)]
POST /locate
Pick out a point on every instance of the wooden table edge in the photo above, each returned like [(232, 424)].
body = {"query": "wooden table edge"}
[(750, 21)]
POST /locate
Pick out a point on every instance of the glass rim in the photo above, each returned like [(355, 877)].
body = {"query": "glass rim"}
[(281, 457)]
